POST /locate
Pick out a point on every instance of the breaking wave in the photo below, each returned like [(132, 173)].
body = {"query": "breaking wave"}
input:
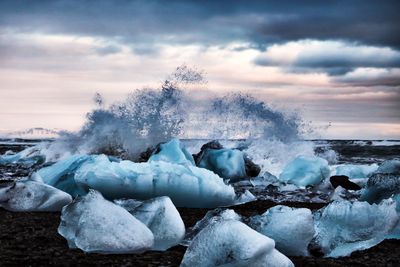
[(150, 116)]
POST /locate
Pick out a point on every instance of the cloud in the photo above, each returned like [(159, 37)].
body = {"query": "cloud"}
[(369, 77), (346, 63), (108, 49), (210, 22), (334, 57)]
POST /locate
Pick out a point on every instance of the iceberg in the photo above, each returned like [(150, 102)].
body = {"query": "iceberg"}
[(343, 226), (187, 186), (356, 171), (94, 224), (381, 186), (211, 217), (227, 163), (29, 156), (395, 232), (292, 229), (304, 171), (31, 196), (161, 217), (389, 166), (265, 179), (61, 175), (341, 193), (173, 152), (232, 243), (244, 197)]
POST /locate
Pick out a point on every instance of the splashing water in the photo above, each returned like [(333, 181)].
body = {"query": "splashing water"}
[(150, 116), (243, 116)]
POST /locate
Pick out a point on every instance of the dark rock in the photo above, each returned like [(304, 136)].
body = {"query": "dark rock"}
[(145, 155), (315, 250), (343, 181), (6, 183), (252, 169), (271, 188), (210, 145)]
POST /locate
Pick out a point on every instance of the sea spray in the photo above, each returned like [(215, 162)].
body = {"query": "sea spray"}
[(150, 116), (146, 117), (242, 116)]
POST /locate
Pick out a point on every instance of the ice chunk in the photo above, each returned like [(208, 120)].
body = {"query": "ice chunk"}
[(232, 243), (29, 156), (395, 232), (31, 196), (291, 228), (227, 163), (303, 171), (187, 186), (356, 171), (128, 204), (61, 175), (343, 226), (94, 224), (245, 197), (389, 166), (173, 152), (163, 219), (341, 193), (381, 186), (211, 217), (265, 180)]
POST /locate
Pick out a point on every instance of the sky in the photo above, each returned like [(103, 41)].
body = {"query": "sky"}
[(337, 63)]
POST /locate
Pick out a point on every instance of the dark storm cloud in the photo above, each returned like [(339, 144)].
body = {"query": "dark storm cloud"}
[(144, 25), (333, 57), (210, 22), (387, 78)]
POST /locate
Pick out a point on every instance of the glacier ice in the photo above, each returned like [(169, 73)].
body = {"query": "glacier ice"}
[(343, 226), (211, 217), (354, 171), (161, 217), (61, 175), (304, 171), (94, 224), (31, 196), (245, 197), (227, 163), (29, 156), (395, 232), (265, 179), (389, 166), (128, 204), (174, 152), (292, 229), (381, 186), (232, 243), (341, 193), (187, 186)]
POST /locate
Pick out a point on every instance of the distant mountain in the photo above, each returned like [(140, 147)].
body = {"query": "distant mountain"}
[(33, 133)]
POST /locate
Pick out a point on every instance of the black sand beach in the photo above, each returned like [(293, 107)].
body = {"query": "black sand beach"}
[(31, 239)]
